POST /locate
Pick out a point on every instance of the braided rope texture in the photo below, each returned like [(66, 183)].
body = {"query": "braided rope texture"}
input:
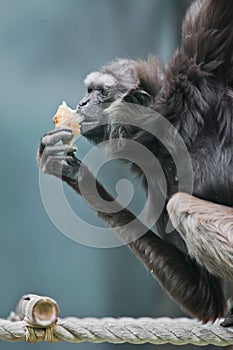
[(123, 330)]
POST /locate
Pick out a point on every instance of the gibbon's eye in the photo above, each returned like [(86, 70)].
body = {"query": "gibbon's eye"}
[(103, 92), (89, 90)]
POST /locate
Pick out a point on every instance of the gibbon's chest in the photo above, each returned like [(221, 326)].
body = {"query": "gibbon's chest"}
[(213, 173)]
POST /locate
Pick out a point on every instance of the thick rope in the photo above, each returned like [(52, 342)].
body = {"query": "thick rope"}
[(27, 325)]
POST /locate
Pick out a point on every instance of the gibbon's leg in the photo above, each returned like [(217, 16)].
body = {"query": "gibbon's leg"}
[(207, 229), (228, 321), (192, 286)]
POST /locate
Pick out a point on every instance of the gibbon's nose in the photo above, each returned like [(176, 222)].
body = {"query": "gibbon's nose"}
[(83, 103)]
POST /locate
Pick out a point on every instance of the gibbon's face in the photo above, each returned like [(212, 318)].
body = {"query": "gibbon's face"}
[(101, 92), (104, 103)]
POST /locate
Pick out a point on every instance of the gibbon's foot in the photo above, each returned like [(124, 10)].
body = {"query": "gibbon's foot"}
[(56, 157), (228, 321), (64, 167), (62, 134)]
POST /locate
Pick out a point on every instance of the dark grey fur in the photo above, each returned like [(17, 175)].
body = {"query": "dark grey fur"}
[(194, 93)]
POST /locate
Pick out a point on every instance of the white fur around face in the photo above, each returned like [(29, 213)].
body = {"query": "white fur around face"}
[(97, 78), (90, 78)]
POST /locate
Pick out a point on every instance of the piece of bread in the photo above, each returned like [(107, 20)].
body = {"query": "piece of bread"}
[(65, 116)]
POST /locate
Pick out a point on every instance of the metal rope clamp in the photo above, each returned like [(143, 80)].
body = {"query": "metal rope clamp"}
[(37, 312)]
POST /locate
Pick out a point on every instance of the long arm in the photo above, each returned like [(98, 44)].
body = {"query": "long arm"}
[(198, 81), (195, 289)]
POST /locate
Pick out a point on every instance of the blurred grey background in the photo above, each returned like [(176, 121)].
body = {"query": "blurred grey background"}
[(47, 48)]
